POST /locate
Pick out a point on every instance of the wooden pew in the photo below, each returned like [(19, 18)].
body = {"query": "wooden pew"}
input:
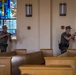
[(47, 70), (21, 51), (72, 49), (5, 65), (71, 52), (60, 61), (47, 52), (53, 66)]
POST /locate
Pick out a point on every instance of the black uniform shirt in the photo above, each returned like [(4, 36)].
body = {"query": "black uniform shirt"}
[(63, 40)]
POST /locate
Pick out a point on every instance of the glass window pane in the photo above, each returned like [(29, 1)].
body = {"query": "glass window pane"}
[(7, 22), (1, 24), (12, 31), (13, 4), (8, 11), (11, 24), (4, 9), (13, 13), (14, 22)]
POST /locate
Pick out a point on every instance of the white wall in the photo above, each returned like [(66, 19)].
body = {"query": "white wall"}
[(39, 35), (45, 24), (28, 39), (74, 44), (58, 21)]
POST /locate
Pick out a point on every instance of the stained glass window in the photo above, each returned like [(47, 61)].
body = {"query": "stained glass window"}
[(8, 11)]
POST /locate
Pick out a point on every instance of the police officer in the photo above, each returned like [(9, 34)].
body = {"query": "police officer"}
[(65, 37), (4, 37)]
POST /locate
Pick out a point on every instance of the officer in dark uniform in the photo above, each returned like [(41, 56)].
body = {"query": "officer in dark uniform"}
[(4, 37), (65, 37)]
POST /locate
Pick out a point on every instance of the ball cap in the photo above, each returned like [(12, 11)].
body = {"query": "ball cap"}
[(68, 27), (4, 27)]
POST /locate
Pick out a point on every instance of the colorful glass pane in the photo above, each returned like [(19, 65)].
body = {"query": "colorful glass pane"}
[(5, 9), (8, 11), (11, 24)]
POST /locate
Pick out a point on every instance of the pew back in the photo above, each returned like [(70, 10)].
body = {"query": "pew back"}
[(5, 65), (71, 52), (47, 52), (21, 51), (60, 61)]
